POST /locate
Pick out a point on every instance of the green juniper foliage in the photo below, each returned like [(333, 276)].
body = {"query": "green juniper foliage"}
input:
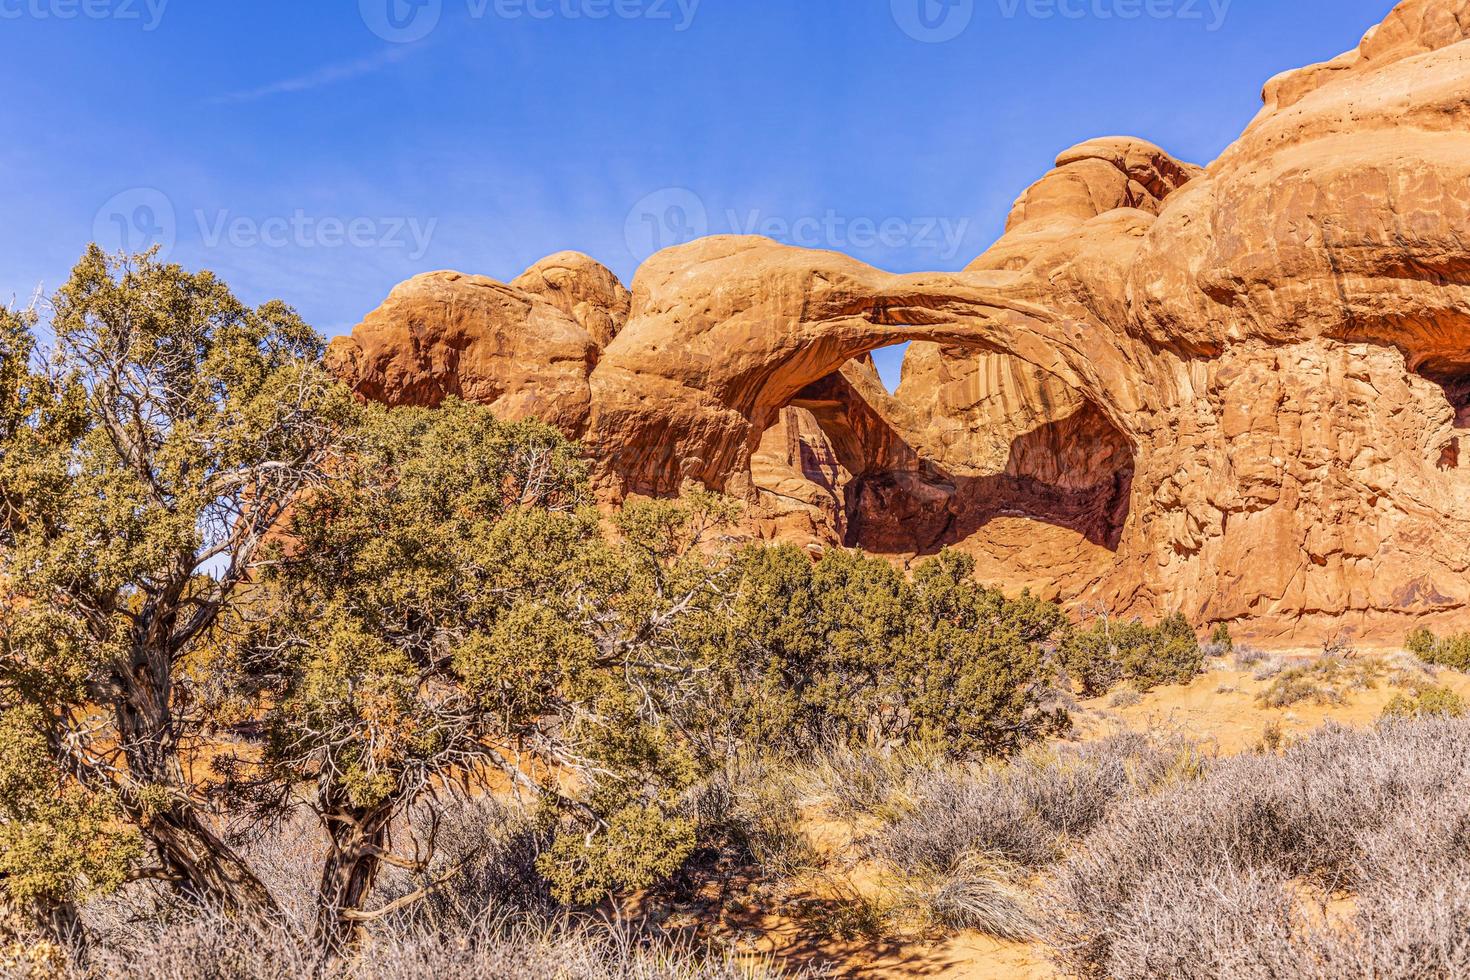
[(447, 604), (160, 441), (1427, 701), (848, 649), (1110, 653), (1451, 651)]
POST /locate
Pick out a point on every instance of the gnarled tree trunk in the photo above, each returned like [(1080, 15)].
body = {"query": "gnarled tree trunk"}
[(359, 839)]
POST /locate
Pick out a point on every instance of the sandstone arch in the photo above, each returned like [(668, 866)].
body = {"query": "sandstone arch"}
[(725, 332), (1281, 339)]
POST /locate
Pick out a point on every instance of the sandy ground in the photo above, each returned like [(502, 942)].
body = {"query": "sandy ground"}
[(1221, 708)]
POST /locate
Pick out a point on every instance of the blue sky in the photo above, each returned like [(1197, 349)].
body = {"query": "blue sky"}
[(320, 151)]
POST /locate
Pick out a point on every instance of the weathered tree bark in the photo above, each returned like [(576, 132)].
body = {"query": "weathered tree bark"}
[(201, 865), (359, 839)]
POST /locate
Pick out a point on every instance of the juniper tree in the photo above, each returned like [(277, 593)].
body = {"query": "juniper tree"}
[(446, 607), (143, 464)]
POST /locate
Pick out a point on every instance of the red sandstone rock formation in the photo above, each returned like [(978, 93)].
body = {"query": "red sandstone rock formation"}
[(1236, 391)]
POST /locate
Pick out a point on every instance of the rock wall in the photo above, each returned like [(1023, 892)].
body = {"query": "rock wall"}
[(1238, 391)]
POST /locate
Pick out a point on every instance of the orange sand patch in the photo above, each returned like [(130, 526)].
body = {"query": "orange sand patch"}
[(1223, 708)]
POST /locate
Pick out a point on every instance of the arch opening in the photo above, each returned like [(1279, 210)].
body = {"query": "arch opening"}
[(889, 362), (980, 450)]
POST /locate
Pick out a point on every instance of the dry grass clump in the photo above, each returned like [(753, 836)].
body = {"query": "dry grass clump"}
[(753, 806), (1204, 878), (982, 893), (1325, 681), (856, 783), (215, 948), (970, 835)]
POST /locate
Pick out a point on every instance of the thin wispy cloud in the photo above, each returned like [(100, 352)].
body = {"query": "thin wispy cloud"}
[(333, 74)]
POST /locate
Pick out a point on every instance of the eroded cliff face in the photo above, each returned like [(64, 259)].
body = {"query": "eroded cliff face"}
[(1238, 391)]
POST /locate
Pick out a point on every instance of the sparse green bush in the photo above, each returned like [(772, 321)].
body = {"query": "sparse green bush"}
[(846, 650), (1427, 701), (1109, 653), (1324, 681), (1222, 644), (1451, 651), (1421, 643)]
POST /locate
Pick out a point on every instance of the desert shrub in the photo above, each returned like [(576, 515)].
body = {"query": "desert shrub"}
[(1026, 810), (1198, 880), (1222, 644), (1451, 651), (1297, 685), (1421, 642), (1245, 655), (1221, 923), (1326, 680), (1273, 737), (846, 650), (1269, 666), (1426, 701), (957, 814), (1107, 654), (211, 947), (1126, 698)]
